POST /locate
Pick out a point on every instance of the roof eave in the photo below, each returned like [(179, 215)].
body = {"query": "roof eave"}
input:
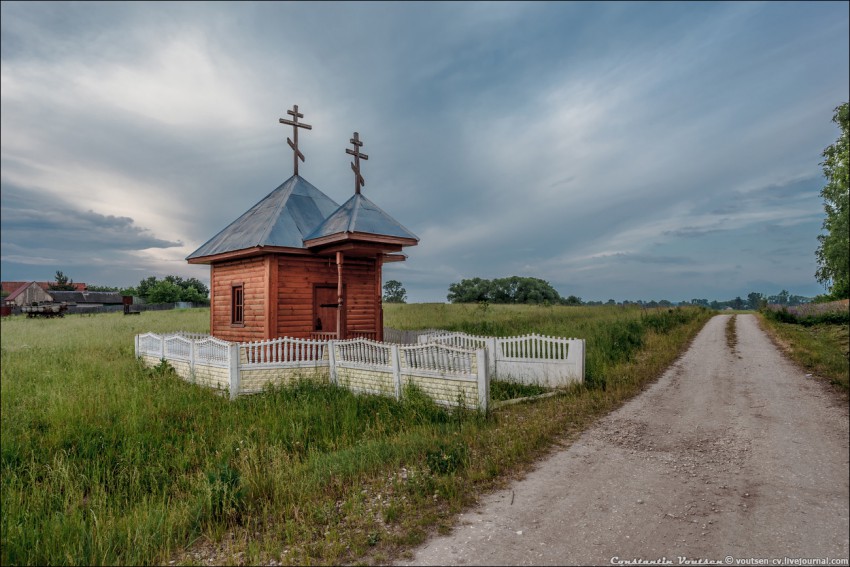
[(246, 253), (360, 237)]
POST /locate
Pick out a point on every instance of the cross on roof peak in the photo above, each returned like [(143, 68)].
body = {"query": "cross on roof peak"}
[(358, 178), (295, 126)]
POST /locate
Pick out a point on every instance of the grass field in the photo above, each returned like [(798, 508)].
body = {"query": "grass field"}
[(106, 462)]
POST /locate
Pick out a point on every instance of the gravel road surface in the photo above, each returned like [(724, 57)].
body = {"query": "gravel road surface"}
[(734, 453)]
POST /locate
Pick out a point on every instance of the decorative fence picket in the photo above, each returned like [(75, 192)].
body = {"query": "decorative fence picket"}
[(534, 347), (178, 348), (282, 351), (363, 352), (211, 351), (437, 358), (529, 359)]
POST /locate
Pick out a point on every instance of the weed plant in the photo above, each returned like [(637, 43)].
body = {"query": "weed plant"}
[(105, 461)]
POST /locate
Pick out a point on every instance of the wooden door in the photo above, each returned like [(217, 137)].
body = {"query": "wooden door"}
[(324, 309)]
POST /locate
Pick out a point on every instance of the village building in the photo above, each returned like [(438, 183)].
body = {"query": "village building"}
[(30, 293), (299, 265), (27, 293), (86, 300), (11, 287)]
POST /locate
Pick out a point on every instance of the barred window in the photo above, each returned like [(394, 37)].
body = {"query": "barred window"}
[(237, 311)]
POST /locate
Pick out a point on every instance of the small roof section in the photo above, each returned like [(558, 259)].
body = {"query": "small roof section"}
[(105, 297), (361, 216), (282, 219)]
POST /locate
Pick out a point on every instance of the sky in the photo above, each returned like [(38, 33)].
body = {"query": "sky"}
[(616, 150)]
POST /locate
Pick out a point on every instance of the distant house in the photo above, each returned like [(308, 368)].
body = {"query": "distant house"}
[(26, 293), (11, 287), (31, 292)]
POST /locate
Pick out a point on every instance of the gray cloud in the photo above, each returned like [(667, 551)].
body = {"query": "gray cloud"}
[(60, 227)]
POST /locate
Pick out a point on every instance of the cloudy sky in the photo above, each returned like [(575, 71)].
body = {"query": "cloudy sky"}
[(616, 150)]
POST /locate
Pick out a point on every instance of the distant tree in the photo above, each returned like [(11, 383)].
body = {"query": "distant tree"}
[(610, 302), (473, 290), (664, 303), (572, 300), (62, 283), (754, 300), (703, 302), (165, 292), (144, 287), (101, 288), (394, 292), (514, 289), (833, 253), (737, 303), (153, 290)]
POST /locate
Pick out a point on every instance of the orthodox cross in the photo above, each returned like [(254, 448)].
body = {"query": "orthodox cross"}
[(358, 179), (295, 126)]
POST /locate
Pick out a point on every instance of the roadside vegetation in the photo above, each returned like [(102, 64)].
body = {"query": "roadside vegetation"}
[(817, 337), (107, 462)]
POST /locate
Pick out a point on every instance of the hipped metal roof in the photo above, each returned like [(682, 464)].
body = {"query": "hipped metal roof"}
[(359, 214), (282, 218), (297, 211)]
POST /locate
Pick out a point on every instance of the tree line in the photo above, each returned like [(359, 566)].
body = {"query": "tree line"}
[(169, 289)]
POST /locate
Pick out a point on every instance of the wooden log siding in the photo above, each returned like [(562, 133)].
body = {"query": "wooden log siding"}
[(298, 275), (251, 273)]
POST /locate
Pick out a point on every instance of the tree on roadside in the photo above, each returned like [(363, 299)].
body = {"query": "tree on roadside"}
[(833, 253), (394, 292)]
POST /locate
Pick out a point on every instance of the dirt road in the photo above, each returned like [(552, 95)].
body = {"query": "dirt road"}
[(733, 452)]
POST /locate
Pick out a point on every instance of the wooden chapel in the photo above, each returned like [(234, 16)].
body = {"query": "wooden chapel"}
[(299, 265)]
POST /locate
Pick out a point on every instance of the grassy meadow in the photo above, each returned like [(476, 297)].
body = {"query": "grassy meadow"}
[(107, 462)]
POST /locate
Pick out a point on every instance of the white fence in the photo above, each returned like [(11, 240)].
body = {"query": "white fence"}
[(449, 375), (530, 359)]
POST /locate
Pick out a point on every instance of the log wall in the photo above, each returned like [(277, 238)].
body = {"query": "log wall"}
[(290, 280)]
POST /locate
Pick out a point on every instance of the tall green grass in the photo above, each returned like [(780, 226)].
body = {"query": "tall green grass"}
[(107, 462)]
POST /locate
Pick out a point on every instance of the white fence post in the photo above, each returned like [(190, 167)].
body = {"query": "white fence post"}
[(233, 360), (332, 361), (483, 379), (192, 358), (396, 364), (492, 356), (136, 345), (162, 347), (581, 344)]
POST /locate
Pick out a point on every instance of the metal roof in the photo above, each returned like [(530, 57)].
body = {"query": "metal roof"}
[(109, 297), (359, 214), (282, 218)]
